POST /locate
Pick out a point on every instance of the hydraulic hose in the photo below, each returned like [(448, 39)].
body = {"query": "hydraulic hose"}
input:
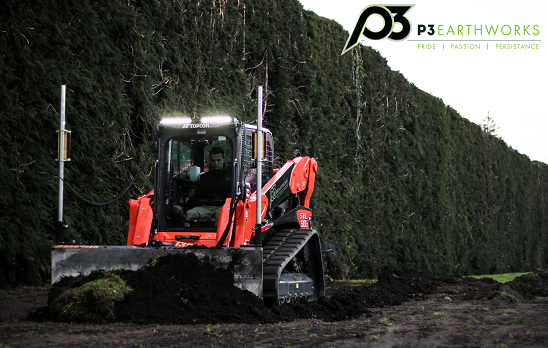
[(119, 196)]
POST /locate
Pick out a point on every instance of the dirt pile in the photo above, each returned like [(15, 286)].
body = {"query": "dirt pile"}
[(354, 301), (532, 285), (179, 289), (173, 289)]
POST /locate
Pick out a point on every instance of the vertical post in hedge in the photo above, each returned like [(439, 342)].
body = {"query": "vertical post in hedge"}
[(258, 237), (61, 157)]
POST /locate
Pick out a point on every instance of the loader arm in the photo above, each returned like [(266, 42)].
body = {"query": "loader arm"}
[(140, 219)]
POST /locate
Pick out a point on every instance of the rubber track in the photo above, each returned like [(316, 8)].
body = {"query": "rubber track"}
[(277, 253)]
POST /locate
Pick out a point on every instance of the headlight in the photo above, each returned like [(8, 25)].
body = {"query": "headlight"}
[(175, 120), (216, 119)]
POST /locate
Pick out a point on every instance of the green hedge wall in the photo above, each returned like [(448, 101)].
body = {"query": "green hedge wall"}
[(404, 181)]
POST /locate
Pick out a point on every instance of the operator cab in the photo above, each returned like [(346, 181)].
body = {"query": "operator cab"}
[(198, 179), (204, 170)]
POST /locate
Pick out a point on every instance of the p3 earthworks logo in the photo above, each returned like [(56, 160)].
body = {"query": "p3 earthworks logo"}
[(397, 27)]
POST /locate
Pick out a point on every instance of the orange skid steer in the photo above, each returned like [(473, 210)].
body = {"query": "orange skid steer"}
[(208, 175)]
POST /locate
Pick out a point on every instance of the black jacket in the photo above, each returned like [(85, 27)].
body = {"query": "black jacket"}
[(213, 188)]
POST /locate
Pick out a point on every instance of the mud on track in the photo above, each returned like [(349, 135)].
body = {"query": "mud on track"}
[(403, 310)]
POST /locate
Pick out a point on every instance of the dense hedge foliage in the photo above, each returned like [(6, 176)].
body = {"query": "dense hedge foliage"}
[(404, 181)]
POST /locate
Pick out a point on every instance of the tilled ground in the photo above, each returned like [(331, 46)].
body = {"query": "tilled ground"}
[(412, 309)]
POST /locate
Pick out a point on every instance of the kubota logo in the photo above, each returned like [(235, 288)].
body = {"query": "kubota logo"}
[(390, 14)]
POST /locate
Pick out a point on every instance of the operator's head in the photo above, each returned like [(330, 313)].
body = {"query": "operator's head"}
[(216, 158)]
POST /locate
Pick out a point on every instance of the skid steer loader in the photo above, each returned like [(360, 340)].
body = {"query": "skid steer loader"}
[(207, 188)]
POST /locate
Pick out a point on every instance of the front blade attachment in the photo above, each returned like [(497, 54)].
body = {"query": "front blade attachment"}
[(73, 260)]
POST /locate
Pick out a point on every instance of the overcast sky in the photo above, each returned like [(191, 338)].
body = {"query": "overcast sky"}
[(509, 84)]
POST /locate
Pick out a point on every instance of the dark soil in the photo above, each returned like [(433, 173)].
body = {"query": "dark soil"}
[(196, 305), (180, 289)]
